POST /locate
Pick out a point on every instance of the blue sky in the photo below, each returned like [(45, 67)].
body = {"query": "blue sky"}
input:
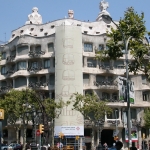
[(13, 13)]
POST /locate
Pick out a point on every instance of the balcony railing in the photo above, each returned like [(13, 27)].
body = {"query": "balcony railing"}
[(110, 99), (34, 69), (10, 71), (36, 53), (10, 58), (37, 84), (107, 68), (136, 122), (106, 83), (6, 88)]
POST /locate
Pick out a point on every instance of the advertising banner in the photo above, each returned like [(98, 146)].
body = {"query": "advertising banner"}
[(134, 134), (123, 91), (69, 130), (68, 78)]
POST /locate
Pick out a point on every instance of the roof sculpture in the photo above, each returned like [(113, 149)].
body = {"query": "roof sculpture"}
[(103, 6), (34, 17)]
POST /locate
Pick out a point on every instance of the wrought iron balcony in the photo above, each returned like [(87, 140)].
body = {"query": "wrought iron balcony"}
[(36, 53), (37, 84), (105, 83), (10, 58), (6, 88), (107, 68), (10, 71), (34, 69), (110, 99), (136, 122)]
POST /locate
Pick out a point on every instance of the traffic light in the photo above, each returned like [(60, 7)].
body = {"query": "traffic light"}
[(143, 136), (41, 128), (77, 137)]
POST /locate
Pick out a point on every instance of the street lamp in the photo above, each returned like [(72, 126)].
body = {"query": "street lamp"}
[(116, 122), (126, 42)]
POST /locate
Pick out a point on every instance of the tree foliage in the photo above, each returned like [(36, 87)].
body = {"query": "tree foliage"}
[(147, 117), (19, 106), (90, 106), (131, 25)]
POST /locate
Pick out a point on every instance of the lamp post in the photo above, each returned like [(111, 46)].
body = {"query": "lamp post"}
[(116, 123), (126, 42)]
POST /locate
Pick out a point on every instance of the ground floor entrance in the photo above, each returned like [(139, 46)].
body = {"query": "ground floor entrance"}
[(107, 137)]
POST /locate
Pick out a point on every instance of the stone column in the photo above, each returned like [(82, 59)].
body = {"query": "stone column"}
[(139, 138), (29, 47), (119, 114), (27, 78), (97, 64), (51, 62), (85, 61), (13, 83), (27, 64)]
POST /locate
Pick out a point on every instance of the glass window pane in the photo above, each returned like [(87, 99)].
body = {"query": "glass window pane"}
[(88, 47)]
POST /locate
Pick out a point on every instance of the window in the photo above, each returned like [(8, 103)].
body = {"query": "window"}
[(45, 33), (41, 30), (23, 50), (34, 64), (47, 63), (105, 96), (3, 55), (133, 114), (52, 79), (50, 47), (3, 70), (20, 82), (144, 80), (13, 53), (101, 47), (21, 65), (52, 26), (145, 96), (38, 48), (91, 63), (88, 47), (85, 78)]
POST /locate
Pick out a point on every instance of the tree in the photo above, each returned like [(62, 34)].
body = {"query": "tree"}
[(147, 117), (90, 106), (132, 25), (17, 104)]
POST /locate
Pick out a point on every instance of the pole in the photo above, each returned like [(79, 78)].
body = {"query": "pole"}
[(127, 83), (116, 121), (0, 134), (40, 141)]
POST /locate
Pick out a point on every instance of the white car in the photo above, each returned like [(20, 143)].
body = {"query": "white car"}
[(11, 146)]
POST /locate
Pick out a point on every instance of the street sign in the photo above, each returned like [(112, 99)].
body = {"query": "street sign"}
[(37, 132)]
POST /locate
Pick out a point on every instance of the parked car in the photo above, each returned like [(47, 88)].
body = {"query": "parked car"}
[(12, 146), (4, 146)]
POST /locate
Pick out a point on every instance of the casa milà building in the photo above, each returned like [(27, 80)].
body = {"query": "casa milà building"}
[(62, 53)]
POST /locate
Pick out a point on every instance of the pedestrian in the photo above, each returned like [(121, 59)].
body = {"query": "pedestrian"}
[(105, 146), (119, 145), (113, 147), (133, 148)]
